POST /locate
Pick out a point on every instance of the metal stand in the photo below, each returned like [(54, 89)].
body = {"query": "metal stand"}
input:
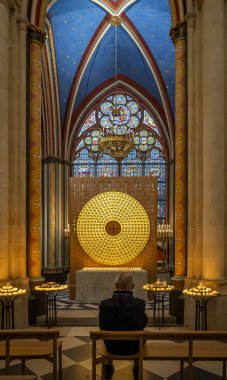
[(201, 312), (158, 307), (51, 308), (7, 320)]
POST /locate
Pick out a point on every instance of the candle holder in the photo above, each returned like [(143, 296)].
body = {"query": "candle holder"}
[(164, 235), (202, 295), (158, 291), (8, 294), (51, 290), (67, 230)]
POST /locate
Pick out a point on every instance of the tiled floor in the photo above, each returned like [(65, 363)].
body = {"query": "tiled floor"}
[(80, 320), (77, 362)]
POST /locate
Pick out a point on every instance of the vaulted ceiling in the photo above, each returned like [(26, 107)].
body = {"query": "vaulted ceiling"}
[(140, 41), (85, 53)]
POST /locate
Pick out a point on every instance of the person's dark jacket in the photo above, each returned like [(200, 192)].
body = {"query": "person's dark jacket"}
[(122, 312)]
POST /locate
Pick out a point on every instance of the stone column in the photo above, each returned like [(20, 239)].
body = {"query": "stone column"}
[(22, 24), (17, 151), (190, 18), (213, 139), (4, 139), (54, 212), (178, 35), (198, 142), (37, 38)]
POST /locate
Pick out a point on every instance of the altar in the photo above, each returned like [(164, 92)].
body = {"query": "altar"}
[(92, 286)]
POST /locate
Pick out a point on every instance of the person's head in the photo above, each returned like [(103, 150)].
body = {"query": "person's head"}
[(124, 281)]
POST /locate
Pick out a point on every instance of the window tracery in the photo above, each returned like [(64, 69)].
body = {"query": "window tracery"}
[(148, 157)]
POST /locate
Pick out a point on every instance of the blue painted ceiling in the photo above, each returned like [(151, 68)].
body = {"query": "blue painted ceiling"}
[(74, 23)]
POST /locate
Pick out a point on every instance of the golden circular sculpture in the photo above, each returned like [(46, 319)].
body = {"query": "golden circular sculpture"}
[(129, 223)]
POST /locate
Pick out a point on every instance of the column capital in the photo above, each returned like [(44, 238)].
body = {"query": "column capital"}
[(55, 159), (197, 4), (36, 34), (178, 32), (14, 4), (22, 23), (190, 18)]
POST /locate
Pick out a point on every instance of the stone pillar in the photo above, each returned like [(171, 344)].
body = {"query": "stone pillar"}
[(17, 145), (178, 35), (55, 217), (190, 17), (37, 38), (22, 24), (198, 141), (213, 139), (4, 139)]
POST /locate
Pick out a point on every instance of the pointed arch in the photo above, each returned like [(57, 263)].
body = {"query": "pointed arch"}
[(146, 53), (123, 84)]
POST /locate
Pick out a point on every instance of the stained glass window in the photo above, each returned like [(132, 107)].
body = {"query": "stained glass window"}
[(122, 112), (84, 165), (107, 167)]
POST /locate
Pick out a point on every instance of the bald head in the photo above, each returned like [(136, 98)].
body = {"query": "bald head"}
[(124, 281)]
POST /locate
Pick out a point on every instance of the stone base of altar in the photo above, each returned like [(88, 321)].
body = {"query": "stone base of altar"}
[(94, 286)]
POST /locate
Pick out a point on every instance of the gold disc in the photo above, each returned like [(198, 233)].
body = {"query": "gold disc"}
[(113, 228)]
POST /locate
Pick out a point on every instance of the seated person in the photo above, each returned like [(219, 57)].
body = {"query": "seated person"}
[(122, 312)]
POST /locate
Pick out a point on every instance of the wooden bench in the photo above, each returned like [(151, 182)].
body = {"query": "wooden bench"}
[(183, 346), (31, 344)]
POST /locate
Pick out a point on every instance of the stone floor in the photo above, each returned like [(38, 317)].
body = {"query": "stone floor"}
[(75, 321)]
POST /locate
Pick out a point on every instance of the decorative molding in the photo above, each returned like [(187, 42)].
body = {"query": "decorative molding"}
[(115, 21), (54, 159), (197, 4), (14, 4), (22, 23), (178, 32), (36, 34)]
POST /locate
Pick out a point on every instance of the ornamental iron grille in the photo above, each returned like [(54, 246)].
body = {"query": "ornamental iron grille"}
[(148, 158)]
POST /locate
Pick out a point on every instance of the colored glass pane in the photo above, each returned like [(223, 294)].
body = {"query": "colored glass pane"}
[(81, 145), (143, 140), (95, 133), (91, 120), (88, 140), (155, 154), (133, 122), (143, 148), (133, 107), (94, 148), (106, 107), (131, 170), (143, 133), (105, 122), (119, 115), (150, 140), (95, 140), (149, 121), (119, 99), (136, 140)]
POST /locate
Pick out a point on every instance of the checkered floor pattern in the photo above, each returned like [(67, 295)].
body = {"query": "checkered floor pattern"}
[(77, 363), (64, 303)]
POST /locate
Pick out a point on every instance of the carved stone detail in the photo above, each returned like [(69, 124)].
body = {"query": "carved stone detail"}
[(197, 4), (36, 34), (178, 32), (22, 23), (14, 4)]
